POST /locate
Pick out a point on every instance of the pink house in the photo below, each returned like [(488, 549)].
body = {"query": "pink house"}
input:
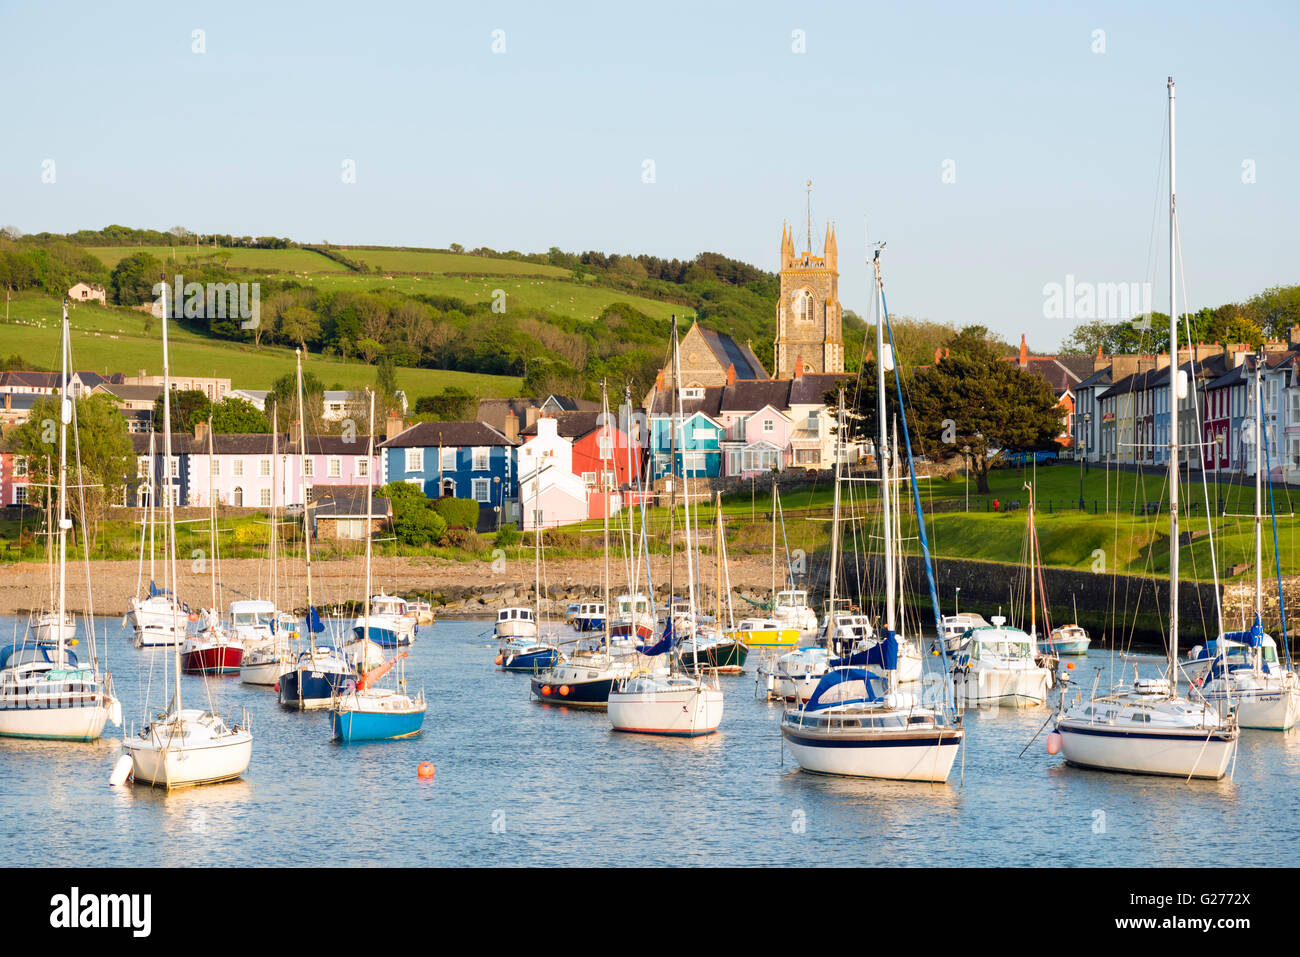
[(14, 489)]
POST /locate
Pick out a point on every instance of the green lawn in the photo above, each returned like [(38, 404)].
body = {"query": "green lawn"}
[(268, 260), (114, 340), (429, 262)]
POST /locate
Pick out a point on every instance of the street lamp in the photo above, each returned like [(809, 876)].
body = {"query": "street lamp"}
[(1087, 418), (957, 602), (965, 451)]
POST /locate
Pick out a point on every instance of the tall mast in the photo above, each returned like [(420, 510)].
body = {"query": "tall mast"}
[(212, 516), (306, 518), (1033, 611), (275, 481), (681, 416), (773, 544), (835, 520), (171, 512), (370, 454), (882, 455), (604, 461), (1173, 410), (1259, 489), (65, 416)]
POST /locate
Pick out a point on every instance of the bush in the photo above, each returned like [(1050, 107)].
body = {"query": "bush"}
[(466, 539), (415, 522), (507, 536), (461, 512)]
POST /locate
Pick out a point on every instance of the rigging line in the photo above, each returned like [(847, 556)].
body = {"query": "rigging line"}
[(1277, 564)]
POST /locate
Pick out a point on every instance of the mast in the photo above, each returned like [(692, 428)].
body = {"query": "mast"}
[(171, 512), (1033, 610), (275, 473), (604, 460), (882, 450), (370, 454), (681, 416), (212, 518), (306, 519), (65, 416), (1259, 492), (1173, 411), (773, 543), (835, 519)]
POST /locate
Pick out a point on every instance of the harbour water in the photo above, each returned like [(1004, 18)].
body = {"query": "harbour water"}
[(520, 783)]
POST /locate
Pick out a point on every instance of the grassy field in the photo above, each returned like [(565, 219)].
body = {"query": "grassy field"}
[(267, 260), (114, 340), (430, 262)]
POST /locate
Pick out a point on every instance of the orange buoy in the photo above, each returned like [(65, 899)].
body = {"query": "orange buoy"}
[(546, 689), (500, 658), (193, 617), (1069, 666), (1054, 743), (277, 686), (564, 689), (424, 770)]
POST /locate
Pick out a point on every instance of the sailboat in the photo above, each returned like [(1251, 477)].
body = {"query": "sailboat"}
[(768, 633), (517, 626), (857, 723), (999, 664), (156, 617), (50, 627), (321, 671), (365, 711), (1150, 728), (1241, 669), (184, 746), (709, 648), (213, 650), (678, 704), (45, 692)]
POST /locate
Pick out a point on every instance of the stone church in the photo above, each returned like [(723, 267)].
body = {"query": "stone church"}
[(809, 327)]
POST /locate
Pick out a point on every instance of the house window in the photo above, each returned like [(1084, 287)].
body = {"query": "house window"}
[(264, 497), (336, 466), (237, 467), (606, 446), (141, 467), (20, 495), (537, 518), (693, 463), (415, 460), (448, 488), (216, 465), (769, 425), (363, 467), (480, 459), (693, 393), (702, 434), (264, 467), (609, 479), (735, 461), (309, 494), (175, 467), (588, 478), (448, 459), (20, 466), (482, 490), (308, 466)]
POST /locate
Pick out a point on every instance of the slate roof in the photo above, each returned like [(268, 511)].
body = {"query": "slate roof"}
[(251, 443), (572, 425), (347, 501), (431, 435), (731, 352)]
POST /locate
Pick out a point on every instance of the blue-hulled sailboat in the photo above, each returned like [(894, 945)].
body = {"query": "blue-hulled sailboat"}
[(364, 711)]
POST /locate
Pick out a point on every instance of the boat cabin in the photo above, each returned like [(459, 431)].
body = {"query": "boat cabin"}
[(515, 614)]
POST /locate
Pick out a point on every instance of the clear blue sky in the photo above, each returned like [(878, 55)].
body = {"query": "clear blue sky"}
[(1057, 149)]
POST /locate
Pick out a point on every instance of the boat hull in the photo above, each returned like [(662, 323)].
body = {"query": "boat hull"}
[(1073, 646), (687, 713), (589, 693), (222, 760), (532, 661), (84, 722), (1025, 688), (303, 690), (911, 756), (212, 660), (1192, 753), (1265, 710), (786, 638), (362, 725), (727, 657), (265, 673)]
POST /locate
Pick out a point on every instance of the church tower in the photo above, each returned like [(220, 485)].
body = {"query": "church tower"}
[(809, 325)]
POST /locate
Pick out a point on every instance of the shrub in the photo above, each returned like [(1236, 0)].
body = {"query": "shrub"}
[(507, 536), (458, 511), (466, 539)]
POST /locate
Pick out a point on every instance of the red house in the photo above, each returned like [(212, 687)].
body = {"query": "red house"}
[(603, 458)]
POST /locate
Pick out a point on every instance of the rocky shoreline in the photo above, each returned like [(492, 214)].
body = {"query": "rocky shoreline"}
[(457, 589)]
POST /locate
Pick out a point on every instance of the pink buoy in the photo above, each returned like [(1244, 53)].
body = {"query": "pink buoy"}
[(1054, 743)]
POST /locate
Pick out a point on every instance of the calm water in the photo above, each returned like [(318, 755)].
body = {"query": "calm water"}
[(563, 789)]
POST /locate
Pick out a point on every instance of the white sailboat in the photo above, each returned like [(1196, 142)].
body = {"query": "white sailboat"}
[(156, 616), (183, 746), (676, 704), (857, 723), (1242, 670), (44, 691), (1150, 728)]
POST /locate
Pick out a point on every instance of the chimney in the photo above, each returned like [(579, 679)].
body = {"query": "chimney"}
[(1024, 352), (1274, 346), (1100, 361), (798, 367), (731, 373), (201, 434), (1123, 366), (1293, 336), (530, 416), (140, 380), (393, 425), (512, 425), (938, 355), (659, 383)]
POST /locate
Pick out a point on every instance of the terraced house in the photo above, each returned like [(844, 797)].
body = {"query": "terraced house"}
[(457, 459)]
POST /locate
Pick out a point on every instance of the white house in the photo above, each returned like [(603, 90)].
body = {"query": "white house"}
[(550, 494), (88, 292)]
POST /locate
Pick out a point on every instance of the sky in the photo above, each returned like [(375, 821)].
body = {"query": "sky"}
[(995, 148)]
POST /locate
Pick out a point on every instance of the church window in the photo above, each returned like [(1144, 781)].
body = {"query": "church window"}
[(803, 306)]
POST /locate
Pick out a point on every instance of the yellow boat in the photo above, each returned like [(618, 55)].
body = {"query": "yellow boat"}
[(764, 633)]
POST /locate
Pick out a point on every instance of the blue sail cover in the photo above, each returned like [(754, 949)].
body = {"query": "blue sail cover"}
[(882, 654), (1254, 637), (840, 676), (314, 624), (664, 644), (156, 592)]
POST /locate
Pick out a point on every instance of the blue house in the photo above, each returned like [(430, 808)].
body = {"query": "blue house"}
[(457, 459), (698, 442), (174, 475)]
